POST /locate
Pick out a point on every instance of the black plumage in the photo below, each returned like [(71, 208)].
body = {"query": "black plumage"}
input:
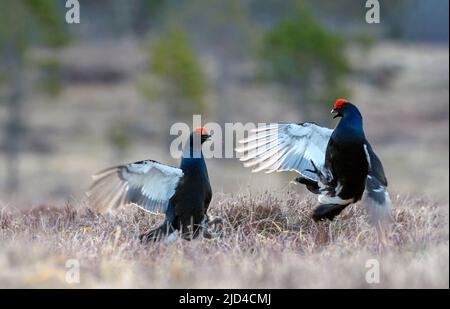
[(183, 194), (339, 165), (346, 160)]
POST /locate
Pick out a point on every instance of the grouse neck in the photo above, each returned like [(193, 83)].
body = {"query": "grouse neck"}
[(193, 149), (353, 121), (193, 163)]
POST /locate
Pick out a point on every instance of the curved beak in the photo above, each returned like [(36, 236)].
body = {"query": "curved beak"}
[(207, 137), (335, 113)]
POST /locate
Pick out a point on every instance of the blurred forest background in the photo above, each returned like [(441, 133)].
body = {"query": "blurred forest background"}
[(77, 98)]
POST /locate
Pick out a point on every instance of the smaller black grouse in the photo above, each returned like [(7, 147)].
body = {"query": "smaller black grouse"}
[(339, 165), (183, 194)]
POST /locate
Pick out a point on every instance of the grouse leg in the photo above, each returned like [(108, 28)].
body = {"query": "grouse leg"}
[(157, 234), (311, 185), (206, 223), (327, 211), (163, 230)]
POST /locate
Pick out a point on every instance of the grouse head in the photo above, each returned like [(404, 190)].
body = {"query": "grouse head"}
[(193, 148), (342, 108), (202, 134)]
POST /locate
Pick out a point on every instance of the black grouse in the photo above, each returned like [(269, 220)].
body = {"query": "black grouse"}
[(339, 165), (183, 194)]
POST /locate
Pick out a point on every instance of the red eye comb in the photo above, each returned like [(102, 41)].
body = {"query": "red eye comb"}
[(201, 130), (339, 103)]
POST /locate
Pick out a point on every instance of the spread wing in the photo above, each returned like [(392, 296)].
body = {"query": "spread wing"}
[(147, 184), (286, 147)]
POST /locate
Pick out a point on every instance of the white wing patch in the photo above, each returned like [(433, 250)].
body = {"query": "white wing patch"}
[(147, 184), (286, 147), (325, 199), (338, 188), (366, 150)]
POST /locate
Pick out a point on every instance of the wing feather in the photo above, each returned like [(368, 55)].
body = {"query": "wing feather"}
[(147, 184), (286, 147)]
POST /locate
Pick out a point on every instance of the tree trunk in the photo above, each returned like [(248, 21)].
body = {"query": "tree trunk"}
[(14, 126)]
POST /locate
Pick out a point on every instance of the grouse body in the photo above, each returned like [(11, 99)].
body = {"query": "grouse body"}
[(183, 194), (339, 165)]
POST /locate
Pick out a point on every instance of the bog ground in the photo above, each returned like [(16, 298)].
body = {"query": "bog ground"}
[(269, 242)]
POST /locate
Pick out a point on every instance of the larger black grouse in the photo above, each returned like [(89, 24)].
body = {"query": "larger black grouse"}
[(183, 194), (339, 165)]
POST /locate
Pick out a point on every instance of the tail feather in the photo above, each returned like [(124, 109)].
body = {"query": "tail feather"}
[(378, 203), (311, 185)]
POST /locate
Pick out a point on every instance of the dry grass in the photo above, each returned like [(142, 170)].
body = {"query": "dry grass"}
[(270, 242)]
